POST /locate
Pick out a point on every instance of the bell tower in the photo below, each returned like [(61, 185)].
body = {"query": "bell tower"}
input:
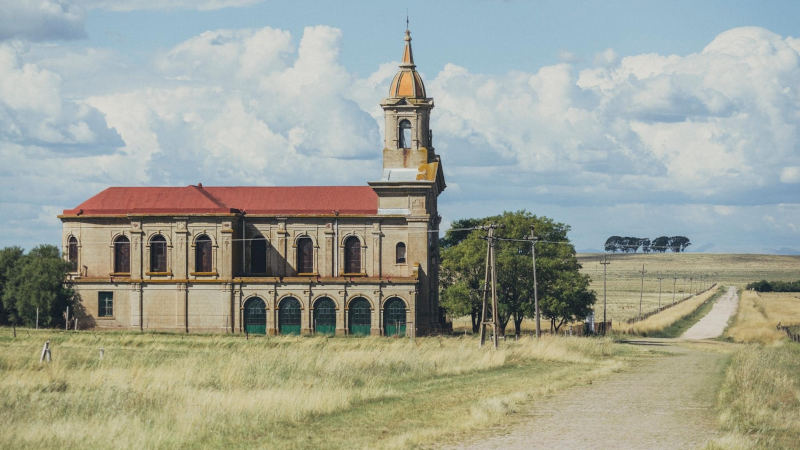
[(408, 140), (411, 182)]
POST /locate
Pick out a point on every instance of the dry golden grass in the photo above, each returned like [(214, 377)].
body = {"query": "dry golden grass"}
[(759, 399), (161, 390), (759, 313), (624, 279), (659, 322)]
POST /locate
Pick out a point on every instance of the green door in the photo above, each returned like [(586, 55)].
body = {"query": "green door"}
[(360, 319), (255, 316), (289, 316), (325, 316), (394, 317)]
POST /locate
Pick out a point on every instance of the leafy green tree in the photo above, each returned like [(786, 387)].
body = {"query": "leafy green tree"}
[(8, 259), (37, 281), (660, 244), (613, 243), (679, 243), (463, 271), (462, 276)]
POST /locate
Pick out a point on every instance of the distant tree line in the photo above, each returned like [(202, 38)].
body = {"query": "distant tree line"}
[(34, 281), (775, 286), (660, 244)]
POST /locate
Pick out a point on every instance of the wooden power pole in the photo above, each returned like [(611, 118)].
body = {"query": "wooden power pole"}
[(605, 262), (533, 239), (674, 279), (659, 289), (641, 293), (490, 281)]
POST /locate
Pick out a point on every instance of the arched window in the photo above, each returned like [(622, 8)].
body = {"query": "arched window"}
[(394, 317), (72, 253), (255, 316), (325, 316), (305, 255), (158, 254), (400, 253), (352, 255), (122, 255), (404, 134), (289, 316), (258, 255), (360, 317), (202, 254)]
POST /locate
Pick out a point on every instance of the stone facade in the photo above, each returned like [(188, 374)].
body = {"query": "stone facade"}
[(141, 258)]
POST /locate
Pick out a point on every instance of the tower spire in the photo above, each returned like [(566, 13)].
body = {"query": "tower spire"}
[(408, 55)]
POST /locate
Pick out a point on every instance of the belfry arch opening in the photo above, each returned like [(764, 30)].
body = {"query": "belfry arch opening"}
[(404, 134)]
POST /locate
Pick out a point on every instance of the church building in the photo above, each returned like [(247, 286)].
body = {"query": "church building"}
[(360, 260)]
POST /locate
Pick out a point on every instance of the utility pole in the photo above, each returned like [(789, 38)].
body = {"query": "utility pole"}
[(533, 239), (674, 279), (490, 271), (691, 285), (641, 293), (659, 289), (605, 262)]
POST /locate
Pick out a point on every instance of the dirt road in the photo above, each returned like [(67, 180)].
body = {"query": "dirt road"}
[(663, 402), (714, 323)]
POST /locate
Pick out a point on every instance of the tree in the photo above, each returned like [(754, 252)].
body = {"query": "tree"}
[(660, 244), (645, 245), (613, 244), (630, 244), (37, 281), (679, 243), (568, 298), (8, 259), (463, 273), (461, 277)]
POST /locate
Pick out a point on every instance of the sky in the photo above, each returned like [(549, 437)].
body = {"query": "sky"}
[(629, 118)]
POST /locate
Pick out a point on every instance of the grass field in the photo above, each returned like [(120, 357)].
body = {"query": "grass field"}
[(760, 312), (759, 399), (624, 277), (163, 390)]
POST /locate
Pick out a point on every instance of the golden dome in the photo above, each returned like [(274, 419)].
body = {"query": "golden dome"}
[(407, 82)]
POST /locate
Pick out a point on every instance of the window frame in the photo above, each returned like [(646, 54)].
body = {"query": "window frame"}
[(105, 304), (398, 259), (73, 258), (305, 255), (259, 257), (203, 246), (350, 258), (158, 240), (122, 265)]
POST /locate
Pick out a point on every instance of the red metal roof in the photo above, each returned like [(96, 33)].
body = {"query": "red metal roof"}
[(298, 200)]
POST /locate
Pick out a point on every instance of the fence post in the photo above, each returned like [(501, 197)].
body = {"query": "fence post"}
[(45, 352)]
